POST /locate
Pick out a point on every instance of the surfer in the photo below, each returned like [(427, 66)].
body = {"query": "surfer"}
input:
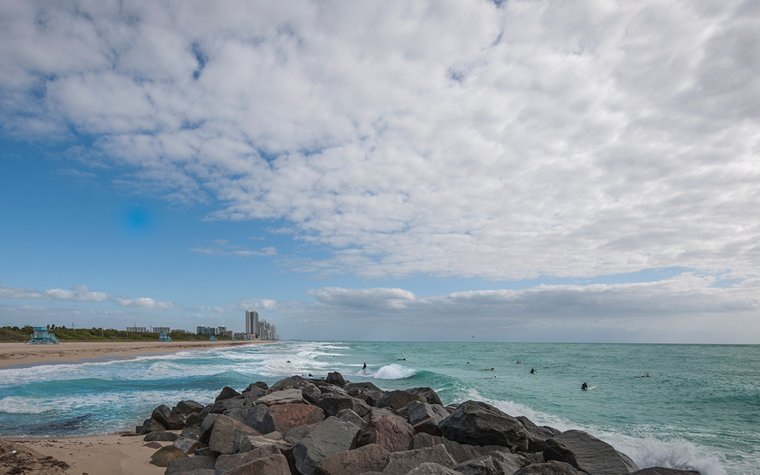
[(645, 375), (364, 368), (532, 371), (584, 387)]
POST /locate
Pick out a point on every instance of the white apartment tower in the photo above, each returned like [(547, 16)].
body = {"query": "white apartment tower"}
[(251, 321)]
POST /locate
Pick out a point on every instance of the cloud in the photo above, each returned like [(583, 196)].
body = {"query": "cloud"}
[(367, 299), (80, 294), (222, 247), (145, 302), (444, 138)]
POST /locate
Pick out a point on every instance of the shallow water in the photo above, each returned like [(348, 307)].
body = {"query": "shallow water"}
[(699, 408)]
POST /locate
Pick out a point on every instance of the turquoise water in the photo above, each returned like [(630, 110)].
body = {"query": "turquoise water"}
[(699, 408)]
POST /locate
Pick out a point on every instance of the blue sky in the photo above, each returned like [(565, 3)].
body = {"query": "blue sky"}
[(424, 171)]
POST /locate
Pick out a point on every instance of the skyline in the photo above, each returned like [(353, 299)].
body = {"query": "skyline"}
[(585, 172)]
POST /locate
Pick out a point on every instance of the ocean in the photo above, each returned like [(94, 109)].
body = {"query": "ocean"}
[(699, 407)]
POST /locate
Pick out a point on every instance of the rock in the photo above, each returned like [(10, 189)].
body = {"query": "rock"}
[(431, 468), (189, 407), (286, 416), (386, 429), (293, 382), (153, 445), (188, 445), (286, 396), (252, 393), (252, 442), (171, 419), (537, 436), (402, 462), (398, 399), (333, 403), (587, 453), (227, 433), (226, 463), (369, 458), (327, 437), (194, 419), (257, 417), (552, 467), (225, 405), (227, 393), (460, 452), (164, 455), (478, 423), (350, 416), (417, 412), (150, 425), (161, 435), (665, 471), (496, 463), (182, 466), (200, 471), (367, 392), (335, 378), (428, 394), (205, 428), (272, 465)]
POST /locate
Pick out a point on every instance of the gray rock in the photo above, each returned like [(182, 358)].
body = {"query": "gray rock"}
[(205, 428), (553, 467), (460, 452), (257, 417), (431, 468), (367, 392), (386, 429), (402, 462), (293, 382), (335, 378), (252, 442), (225, 405), (397, 399), (665, 471), (324, 438), (194, 420), (226, 463), (189, 407), (285, 396), (226, 393), (478, 423), (227, 434), (188, 445), (537, 436), (182, 466), (417, 412), (350, 416), (428, 394), (160, 436), (332, 404), (272, 465), (150, 425), (496, 463), (287, 416), (369, 458), (164, 455), (252, 393), (587, 453), (169, 418)]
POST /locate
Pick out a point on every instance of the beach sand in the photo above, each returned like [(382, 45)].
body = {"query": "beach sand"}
[(22, 354), (92, 455)]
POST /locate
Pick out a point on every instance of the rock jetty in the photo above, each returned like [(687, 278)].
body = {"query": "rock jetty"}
[(333, 427)]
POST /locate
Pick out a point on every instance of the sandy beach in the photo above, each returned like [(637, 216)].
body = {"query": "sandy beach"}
[(22, 354)]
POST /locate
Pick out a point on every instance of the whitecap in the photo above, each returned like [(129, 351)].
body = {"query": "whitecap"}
[(394, 371)]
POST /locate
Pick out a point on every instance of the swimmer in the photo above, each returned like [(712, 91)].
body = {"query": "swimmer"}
[(532, 371), (584, 387)]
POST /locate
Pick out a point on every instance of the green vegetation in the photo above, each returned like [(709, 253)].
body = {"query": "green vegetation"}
[(22, 334)]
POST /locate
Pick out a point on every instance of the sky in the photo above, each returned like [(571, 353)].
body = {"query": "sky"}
[(432, 170)]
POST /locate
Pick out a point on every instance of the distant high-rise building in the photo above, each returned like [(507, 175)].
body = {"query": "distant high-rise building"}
[(251, 321)]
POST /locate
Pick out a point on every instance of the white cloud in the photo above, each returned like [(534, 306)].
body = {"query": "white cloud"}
[(449, 138), (145, 302), (80, 294), (222, 247)]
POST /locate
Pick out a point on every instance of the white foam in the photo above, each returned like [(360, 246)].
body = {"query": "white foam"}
[(394, 371), (21, 405)]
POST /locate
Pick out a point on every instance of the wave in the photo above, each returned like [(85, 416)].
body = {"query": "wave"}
[(394, 371), (20, 405)]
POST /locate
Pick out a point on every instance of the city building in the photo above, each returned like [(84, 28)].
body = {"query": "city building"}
[(166, 330), (137, 330), (259, 328), (251, 321)]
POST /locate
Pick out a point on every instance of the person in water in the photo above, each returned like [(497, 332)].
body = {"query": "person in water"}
[(532, 371), (584, 387), (364, 368)]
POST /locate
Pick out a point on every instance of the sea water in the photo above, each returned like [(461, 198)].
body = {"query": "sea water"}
[(699, 408)]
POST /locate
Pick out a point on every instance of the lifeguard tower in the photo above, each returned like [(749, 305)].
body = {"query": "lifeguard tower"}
[(41, 336), (163, 336), (212, 338)]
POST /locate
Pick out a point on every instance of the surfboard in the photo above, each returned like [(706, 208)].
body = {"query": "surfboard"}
[(590, 388)]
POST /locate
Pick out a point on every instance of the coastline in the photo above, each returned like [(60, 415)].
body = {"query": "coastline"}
[(23, 355)]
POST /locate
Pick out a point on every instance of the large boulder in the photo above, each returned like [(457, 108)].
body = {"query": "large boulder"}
[(366, 391), (182, 466), (327, 437), (258, 417), (552, 467), (665, 471), (537, 436), (220, 407), (369, 458), (397, 399), (188, 407), (226, 393), (293, 382), (402, 462), (286, 416), (272, 465), (426, 417), (335, 378), (171, 419), (204, 430), (460, 452), (188, 444), (350, 416), (334, 403), (227, 434), (160, 436), (430, 396), (588, 454), (252, 442), (431, 468), (386, 429), (478, 423), (149, 425), (252, 393), (496, 463), (286, 396), (226, 463), (164, 455)]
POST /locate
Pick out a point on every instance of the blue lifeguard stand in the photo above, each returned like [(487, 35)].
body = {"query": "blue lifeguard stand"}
[(164, 337), (212, 338), (41, 336)]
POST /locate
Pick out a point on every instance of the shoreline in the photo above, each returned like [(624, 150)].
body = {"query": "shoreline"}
[(24, 355)]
